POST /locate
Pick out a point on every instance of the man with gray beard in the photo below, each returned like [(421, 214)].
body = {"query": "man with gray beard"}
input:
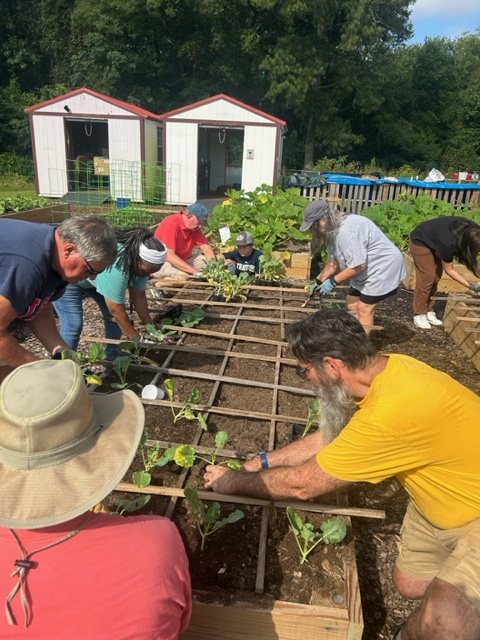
[(383, 416)]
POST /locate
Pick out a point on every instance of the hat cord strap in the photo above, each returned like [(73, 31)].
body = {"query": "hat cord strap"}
[(22, 569)]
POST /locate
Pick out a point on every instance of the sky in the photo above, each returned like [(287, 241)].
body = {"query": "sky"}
[(444, 18)]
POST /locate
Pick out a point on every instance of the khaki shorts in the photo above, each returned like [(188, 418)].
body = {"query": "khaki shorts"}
[(197, 261), (453, 555)]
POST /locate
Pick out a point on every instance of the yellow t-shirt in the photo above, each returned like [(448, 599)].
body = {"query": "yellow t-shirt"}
[(423, 427)]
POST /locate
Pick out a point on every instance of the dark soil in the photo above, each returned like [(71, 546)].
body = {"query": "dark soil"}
[(227, 567)]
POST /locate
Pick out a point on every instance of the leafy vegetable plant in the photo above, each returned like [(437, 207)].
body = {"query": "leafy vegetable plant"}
[(185, 455), (186, 411), (151, 457), (96, 352), (120, 366), (207, 519), (271, 268), (271, 214), (158, 333), (397, 218), (332, 531), (191, 318)]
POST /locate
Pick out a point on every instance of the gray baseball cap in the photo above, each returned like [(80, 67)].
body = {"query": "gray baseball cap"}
[(313, 212), (243, 238)]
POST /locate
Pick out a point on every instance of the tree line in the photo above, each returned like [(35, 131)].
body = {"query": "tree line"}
[(339, 72)]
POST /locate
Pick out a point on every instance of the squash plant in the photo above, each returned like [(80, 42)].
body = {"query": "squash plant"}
[(398, 218), (271, 269), (225, 284), (271, 214)]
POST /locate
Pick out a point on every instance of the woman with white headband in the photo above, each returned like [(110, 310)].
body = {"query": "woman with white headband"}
[(139, 255)]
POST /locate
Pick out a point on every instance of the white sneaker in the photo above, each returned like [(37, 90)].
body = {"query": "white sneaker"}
[(432, 318), (421, 321)]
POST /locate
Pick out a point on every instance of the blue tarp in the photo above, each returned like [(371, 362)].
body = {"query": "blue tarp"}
[(344, 178)]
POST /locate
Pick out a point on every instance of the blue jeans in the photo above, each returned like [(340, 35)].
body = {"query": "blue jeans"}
[(69, 309)]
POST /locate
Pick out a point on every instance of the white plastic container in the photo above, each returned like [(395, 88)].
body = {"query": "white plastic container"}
[(151, 392)]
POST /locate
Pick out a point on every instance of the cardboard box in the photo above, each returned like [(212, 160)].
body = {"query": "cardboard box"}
[(101, 166)]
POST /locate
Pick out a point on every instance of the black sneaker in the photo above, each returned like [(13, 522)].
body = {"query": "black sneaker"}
[(396, 630)]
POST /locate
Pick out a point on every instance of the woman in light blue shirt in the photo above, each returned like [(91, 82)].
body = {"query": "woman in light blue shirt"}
[(139, 255)]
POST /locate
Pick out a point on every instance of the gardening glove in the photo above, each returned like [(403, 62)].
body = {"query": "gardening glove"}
[(327, 287), (475, 286), (314, 288)]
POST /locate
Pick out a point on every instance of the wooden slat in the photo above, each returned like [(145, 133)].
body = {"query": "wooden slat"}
[(300, 505)]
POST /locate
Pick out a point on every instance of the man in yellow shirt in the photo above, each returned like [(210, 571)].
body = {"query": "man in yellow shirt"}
[(384, 416)]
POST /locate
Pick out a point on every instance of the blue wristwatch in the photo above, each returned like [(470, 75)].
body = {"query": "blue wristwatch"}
[(263, 459)]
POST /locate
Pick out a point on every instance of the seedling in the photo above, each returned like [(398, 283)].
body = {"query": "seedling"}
[(230, 285), (150, 458), (185, 455), (120, 366), (270, 268), (313, 415), (159, 333), (186, 411), (191, 318), (214, 270), (332, 531), (137, 351), (96, 352), (207, 520)]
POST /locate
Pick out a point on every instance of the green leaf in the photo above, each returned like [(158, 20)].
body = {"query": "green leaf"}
[(185, 456), (334, 530), (236, 465), (169, 386), (142, 478), (221, 439), (126, 505)]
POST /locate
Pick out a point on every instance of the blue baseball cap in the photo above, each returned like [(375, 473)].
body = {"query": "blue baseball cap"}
[(199, 211)]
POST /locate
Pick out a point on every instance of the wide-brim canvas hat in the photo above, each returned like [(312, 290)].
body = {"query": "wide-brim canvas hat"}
[(313, 212), (62, 449)]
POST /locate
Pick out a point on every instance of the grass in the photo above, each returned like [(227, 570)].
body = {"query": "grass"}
[(11, 186)]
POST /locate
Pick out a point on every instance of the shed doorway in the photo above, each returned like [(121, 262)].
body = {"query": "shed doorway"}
[(87, 154), (220, 159)]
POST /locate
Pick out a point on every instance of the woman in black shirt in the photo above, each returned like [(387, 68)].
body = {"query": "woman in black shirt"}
[(433, 245)]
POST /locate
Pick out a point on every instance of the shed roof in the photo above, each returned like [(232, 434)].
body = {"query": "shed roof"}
[(142, 113), (222, 96)]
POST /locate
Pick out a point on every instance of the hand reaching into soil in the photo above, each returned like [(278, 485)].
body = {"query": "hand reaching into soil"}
[(217, 478)]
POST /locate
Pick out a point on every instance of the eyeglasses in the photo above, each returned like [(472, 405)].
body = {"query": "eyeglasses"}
[(302, 372), (90, 270)]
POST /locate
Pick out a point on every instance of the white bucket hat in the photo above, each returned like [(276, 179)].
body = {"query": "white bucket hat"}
[(62, 450)]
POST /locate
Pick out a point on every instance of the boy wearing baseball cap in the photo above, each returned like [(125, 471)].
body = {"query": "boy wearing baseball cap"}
[(245, 258)]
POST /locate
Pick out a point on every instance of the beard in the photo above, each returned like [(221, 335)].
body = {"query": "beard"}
[(336, 406)]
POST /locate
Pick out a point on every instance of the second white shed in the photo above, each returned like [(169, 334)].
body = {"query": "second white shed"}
[(218, 143)]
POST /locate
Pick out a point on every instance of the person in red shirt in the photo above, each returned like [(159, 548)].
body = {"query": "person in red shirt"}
[(70, 572), (182, 233)]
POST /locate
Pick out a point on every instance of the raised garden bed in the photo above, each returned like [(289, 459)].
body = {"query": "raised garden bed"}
[(248, 581), (462, 322), (52, 213)]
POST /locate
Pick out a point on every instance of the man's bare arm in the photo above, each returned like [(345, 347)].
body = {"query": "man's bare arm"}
[(301, 483)]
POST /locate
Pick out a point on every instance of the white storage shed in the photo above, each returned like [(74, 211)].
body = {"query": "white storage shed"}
[(217, 143), (87, 141)]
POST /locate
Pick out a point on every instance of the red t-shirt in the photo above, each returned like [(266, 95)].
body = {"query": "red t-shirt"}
[(117, 579), (171, 231)]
